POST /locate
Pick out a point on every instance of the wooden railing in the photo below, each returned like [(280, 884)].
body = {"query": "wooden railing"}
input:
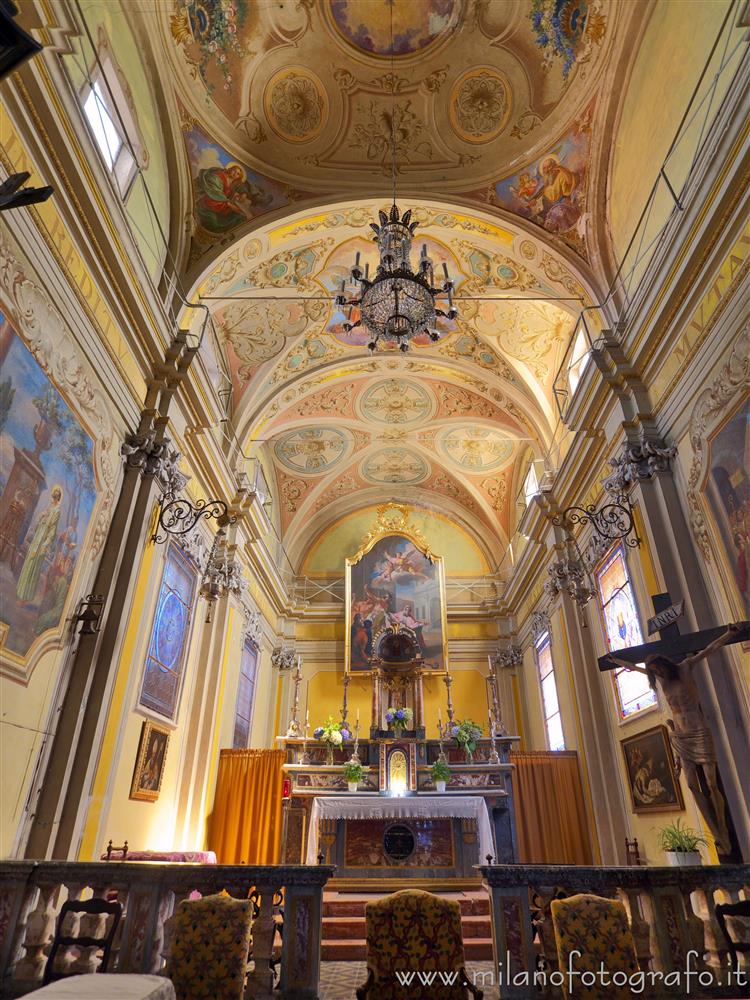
[(671, 913), (31, 894)]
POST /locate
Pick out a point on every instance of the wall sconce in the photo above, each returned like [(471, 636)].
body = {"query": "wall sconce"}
[(89, 615)]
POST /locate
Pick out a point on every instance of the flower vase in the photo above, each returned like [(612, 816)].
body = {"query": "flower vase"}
[(440, 785), (353, 785), (397, 731), (329, 754), (469, 755)]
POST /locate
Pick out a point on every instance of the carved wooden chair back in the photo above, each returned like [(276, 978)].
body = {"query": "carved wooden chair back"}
[(734, 946), (100, 941)]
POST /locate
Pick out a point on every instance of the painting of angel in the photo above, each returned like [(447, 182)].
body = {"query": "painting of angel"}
[(395, 584)]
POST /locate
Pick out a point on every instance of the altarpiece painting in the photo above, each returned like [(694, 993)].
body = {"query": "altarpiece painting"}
[(395, 580)]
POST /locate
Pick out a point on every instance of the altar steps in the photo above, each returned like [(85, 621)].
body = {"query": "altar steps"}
[(344, 925)]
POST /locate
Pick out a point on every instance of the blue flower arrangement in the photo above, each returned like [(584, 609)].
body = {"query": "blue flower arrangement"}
[(398, 718)]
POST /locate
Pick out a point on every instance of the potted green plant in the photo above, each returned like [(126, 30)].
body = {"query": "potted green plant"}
[(440, 774), (353, 772), (680, 844)]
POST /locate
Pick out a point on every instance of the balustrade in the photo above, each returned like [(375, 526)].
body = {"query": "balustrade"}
[(671, 913), (32, 893)]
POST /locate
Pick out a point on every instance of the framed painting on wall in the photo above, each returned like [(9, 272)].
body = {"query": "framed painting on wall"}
[(149, 764), (726, 490), (652, 780), (395, 580), (170, 635)]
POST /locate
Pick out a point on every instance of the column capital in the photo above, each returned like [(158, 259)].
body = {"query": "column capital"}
[(638, 461), (510, 657)]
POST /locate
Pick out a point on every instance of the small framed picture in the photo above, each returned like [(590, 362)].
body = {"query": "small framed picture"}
[(654, 786), (149, 765)]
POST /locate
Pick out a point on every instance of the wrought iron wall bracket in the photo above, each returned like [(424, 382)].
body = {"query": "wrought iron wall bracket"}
[(613, 521), (178, 516)]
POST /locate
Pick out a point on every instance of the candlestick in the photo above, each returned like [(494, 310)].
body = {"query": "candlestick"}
[(448, 681), (294, 728), (494, 757), (305, 758), (344, 708)]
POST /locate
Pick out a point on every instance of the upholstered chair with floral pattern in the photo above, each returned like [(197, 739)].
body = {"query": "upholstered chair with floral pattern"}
[(210, 940), (414, 932), (598, 929)]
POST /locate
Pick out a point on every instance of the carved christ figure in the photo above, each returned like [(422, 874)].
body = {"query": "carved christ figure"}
[(690, 735)]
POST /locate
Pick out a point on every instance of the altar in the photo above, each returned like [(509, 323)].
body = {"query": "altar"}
[(420, 808), (408, 829), (405, 833)]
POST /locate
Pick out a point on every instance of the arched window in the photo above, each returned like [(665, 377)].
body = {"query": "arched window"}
[(622, 628), (548, 684), (243, 717)]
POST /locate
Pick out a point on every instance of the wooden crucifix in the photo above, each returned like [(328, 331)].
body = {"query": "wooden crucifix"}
[(670, 661)]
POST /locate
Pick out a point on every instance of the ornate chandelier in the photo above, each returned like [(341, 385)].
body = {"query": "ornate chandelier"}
[(399, 303)]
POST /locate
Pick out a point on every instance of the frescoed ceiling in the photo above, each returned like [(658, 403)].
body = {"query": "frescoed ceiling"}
[(452, 421), (493, 101), (501, 114)]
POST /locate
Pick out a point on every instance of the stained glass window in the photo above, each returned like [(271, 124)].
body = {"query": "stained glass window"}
[(245, 696), (548, 684), (623, 628), (170, 633)]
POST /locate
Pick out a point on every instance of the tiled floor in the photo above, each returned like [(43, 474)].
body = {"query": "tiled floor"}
[(338, 980)]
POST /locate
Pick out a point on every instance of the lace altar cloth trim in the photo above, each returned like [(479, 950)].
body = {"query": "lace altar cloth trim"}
[(412, 807)]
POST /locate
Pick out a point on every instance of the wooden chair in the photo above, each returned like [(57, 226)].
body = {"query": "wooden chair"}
[(734, 947), (124, 849), (632, 852), (413, 931), (210, 940), (598, 930), (88, 907)]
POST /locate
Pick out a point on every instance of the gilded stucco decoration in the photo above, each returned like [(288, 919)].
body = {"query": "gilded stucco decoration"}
[(296, 105), (480, 104)]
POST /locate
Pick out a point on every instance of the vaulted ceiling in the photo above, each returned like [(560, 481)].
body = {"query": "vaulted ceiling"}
[(502, 115)]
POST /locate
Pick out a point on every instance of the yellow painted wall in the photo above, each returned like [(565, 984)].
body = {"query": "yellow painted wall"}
[(326, 692), (655, 100), (460, 553)]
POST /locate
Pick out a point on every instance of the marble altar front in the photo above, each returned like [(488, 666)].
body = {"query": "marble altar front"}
[(415, 832)]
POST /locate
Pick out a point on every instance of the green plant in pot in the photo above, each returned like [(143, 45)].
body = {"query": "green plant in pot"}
[(353, 772), (440, 774), (680, 843)]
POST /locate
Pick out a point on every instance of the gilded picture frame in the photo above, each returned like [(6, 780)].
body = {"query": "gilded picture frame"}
[(652, 780), (394, 578), (150, 762)]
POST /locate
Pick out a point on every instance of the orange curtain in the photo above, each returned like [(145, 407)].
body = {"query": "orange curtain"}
[(245, 825), (551, 815)]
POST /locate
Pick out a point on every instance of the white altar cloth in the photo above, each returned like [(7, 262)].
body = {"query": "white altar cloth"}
[(409, 807)]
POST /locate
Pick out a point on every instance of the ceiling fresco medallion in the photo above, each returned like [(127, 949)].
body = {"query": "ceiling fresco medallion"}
[(480, 104), (476, 448), (394, 465), (396, 401), (312, 450), (295, 104), (366, 24)]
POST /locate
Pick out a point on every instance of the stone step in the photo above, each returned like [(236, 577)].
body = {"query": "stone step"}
[(353, 904), (341, 950), (353, 928)]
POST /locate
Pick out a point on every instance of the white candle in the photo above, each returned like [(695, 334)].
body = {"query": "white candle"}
[(358, 715)]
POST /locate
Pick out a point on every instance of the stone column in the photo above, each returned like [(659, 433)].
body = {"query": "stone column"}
[(63, 794), (645, 468)]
